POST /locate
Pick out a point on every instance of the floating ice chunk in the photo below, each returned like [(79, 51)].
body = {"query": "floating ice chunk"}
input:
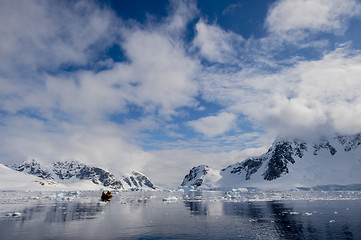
[(14, 214), (240, 190), (59, 195), (308, 213), (294, 213), (332, 221), (170, 199)]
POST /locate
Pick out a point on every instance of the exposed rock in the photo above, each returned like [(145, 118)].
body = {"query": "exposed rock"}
[(74, 170)]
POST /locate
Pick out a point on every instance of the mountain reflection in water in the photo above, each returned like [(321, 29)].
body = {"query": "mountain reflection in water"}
[(194, 215), (60, 212), (308, 220)]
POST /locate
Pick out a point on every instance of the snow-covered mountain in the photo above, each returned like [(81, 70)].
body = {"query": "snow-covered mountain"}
[(201, 176), (78, 174), (289, 163), (14, 180), (196, 176)]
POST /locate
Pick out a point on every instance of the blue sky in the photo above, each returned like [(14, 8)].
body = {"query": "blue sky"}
[(161, 86)]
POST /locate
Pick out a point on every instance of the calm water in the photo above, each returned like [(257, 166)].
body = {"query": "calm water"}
[(188, 215)]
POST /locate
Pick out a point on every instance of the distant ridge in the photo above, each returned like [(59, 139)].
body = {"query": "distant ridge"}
[(74, 171), (289, 163)]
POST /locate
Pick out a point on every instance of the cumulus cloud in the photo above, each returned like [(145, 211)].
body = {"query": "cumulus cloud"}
[(47, 35), (320, 95), (100, 145), (215, 44), (158, 77), (293, 18), (60, 115), (162, 73), (180, 14), (330, 87), (212, 126), (291, 96)]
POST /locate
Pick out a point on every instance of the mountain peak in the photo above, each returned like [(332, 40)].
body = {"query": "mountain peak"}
[(195, 176), (33, 167)]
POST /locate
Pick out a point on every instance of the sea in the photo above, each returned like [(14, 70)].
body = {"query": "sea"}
[(150, 215)]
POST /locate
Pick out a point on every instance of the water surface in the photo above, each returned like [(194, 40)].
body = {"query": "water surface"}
[(181, 215)]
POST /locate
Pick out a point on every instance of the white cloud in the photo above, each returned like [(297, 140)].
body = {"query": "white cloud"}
[(181, 13), (212, 126), (295, 96), (46, 35), (290, 18), (321, 95), (100, 145), (214, 43), (158, 78), (56, 115), (163, 74)]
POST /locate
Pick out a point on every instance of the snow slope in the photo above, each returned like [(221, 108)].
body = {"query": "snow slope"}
[(290, 163), (13, 180)]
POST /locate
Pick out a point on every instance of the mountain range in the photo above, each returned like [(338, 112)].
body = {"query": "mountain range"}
[(289, 163), (74, 173)]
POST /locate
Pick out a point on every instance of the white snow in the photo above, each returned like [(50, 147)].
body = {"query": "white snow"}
[(213, 176), (13, 180), (88, 185)]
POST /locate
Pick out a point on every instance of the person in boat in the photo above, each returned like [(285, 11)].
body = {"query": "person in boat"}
[(106, 196)]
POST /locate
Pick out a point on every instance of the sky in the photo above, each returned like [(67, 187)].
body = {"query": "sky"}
[(162, 86)]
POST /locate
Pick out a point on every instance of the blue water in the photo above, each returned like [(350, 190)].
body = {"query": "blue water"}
[(188, 215)]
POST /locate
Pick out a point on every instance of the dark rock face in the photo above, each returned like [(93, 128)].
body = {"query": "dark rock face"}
[(324, 145), (350, 142), (34, 168), (250, 166), (281, 156), (277, 159), (195, 176), (143, 180), (67, 170)]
